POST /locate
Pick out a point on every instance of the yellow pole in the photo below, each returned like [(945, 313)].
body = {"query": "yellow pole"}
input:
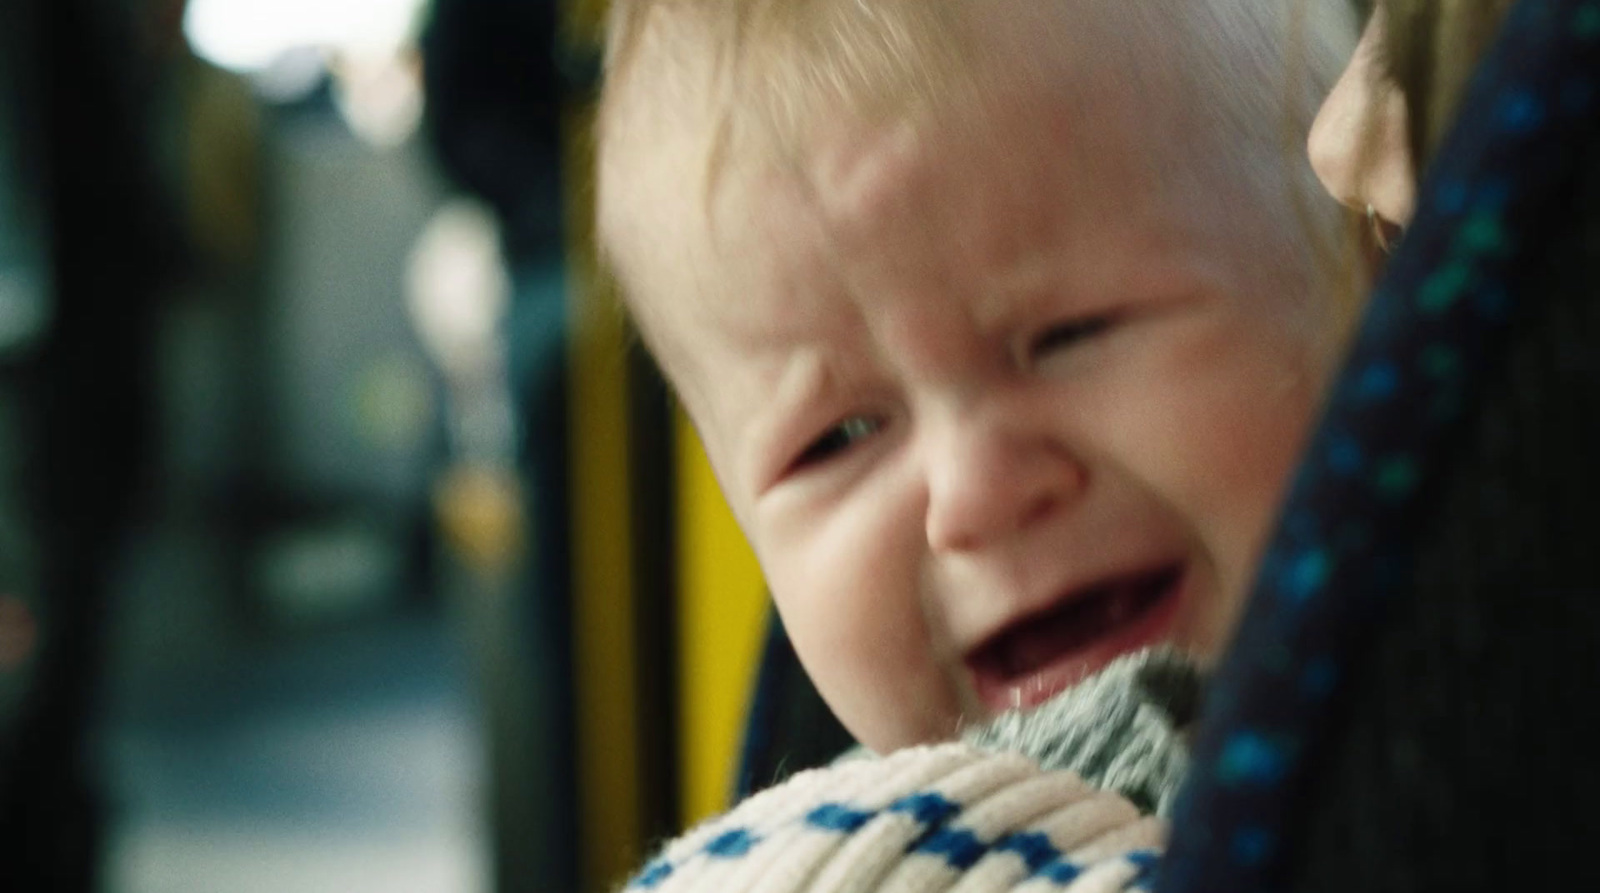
[(722, 610), (604, 650), (721, 596)]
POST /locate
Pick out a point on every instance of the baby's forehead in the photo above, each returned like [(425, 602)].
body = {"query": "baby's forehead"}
[(765, 91), (791, 63), (866, 187), (669, 176)]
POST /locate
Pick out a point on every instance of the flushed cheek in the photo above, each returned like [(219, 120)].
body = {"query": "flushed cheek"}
[(850, 598), (1218, 446), (870, 660)]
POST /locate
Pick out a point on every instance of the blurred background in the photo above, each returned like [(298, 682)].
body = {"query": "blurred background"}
[(347, 542)]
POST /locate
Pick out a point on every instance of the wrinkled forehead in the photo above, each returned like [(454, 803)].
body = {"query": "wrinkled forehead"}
[(783, 255), (683, 226)]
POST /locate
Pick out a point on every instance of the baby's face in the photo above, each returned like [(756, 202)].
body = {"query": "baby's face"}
[(996, 398)]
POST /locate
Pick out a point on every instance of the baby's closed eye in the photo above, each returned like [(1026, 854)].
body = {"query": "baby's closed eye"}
[(1071, 334), (836, 440)]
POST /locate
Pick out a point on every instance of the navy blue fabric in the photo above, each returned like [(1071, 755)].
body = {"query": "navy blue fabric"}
[(773, 675), (788, 727), (1346, 541)]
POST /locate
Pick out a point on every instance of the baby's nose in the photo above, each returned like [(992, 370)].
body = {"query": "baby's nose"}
[(986, 482)]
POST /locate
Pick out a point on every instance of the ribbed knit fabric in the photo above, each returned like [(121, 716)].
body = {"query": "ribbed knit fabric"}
[(949, 817)]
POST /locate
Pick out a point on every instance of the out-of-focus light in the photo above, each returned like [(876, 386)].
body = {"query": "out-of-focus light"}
[(247, 35), (380, 97), (457, 287), (292, 76)]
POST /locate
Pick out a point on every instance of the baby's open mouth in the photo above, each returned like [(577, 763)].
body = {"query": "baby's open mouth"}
[(1043, 654)]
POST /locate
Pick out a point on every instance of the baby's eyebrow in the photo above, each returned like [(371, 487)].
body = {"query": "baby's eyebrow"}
[(1022, 282), (805, 380)]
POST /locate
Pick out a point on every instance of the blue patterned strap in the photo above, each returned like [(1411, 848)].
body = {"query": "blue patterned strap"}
[(1437, 323)]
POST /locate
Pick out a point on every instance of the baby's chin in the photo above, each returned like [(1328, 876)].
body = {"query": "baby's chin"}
[(1124, 729)]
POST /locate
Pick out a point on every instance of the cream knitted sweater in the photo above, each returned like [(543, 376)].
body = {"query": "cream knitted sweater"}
[(976, 816)]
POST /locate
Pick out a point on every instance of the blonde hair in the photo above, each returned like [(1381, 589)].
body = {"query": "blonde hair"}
[(763, 71), (772, 68), (751, 79)]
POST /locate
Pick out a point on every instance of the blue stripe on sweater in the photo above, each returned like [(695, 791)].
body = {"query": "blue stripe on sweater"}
[(837, 817), (1035, 849), (653, 874), (1147, 861), (732, 844), (960, 848), (929, 808)]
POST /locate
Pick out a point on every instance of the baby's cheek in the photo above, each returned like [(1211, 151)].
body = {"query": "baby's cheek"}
[(872, 666), (850, 598), (1248, 394), (1219, 448)]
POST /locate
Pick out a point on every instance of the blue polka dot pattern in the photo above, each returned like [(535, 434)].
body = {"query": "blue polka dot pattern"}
[(1250, 759), (1438, 319), (1306, 573)]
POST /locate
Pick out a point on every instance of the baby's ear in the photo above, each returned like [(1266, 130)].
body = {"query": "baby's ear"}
[(1123, 729)]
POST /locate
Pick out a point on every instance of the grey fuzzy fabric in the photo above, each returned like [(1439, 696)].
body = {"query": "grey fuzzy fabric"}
[(1123, 729)]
